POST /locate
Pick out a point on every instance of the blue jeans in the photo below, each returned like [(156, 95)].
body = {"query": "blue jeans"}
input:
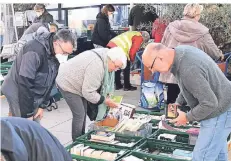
[(1, 40), (212, 140)]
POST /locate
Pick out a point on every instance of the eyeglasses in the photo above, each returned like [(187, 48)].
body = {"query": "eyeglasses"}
[(117, 67), (152, 64), (64, 52)]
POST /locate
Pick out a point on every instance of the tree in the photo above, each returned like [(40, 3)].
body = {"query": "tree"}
[(217, 17), (23, 6)]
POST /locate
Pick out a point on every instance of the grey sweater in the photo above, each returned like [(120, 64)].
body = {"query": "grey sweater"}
[(203, 85), (83, 75)]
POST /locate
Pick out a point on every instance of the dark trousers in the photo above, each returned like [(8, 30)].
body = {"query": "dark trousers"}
[(126, 73), (78, 106), (14, 109), (173, 92)]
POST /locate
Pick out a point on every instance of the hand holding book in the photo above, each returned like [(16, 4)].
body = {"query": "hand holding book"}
[(110, 103)]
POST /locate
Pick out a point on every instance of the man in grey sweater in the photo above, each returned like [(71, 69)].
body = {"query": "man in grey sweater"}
[(204, 88), (80, 78)]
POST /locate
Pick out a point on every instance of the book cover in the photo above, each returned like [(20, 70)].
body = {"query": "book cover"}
[(103, 136), (124, 111), (117, 99)]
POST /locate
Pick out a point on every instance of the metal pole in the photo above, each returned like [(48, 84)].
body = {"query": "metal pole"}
[(15, 28), (66, 17), (59, 12), (132, 28)]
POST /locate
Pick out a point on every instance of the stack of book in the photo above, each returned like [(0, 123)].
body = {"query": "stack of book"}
[(102, 136), (86, 151), (108, 138)]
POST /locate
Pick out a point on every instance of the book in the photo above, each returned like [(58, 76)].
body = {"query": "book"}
[(124, 111), (117, 99), (103, 136), (171, 112)]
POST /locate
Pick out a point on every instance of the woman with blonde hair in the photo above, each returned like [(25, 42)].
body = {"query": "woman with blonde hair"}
[(187, 31)]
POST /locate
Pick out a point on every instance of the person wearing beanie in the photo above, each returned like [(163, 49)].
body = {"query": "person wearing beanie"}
[(130, 42), (89, 77)]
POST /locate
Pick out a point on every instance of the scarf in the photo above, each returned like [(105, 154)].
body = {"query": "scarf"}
[(107, 90)]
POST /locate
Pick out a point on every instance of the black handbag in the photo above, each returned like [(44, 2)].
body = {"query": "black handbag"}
[(92, 109)]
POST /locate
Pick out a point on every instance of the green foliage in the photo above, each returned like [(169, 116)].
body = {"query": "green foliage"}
[(217, 17)]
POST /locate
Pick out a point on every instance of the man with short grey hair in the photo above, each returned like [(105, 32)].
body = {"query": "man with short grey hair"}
[(29, 82), (204, 88)]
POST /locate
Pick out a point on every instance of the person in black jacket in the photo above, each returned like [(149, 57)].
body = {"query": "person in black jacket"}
[(102, 33), (42, 14), (140, 15), (28, 84), (25, 140)]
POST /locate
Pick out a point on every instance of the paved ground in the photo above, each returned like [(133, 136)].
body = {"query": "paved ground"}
[(58, 122)]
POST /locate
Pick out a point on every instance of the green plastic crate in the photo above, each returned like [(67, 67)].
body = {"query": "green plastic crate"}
[(5, 67), (182, 137), (120, 137), (182, 127), (150, 157), (150, 113), (152, 145), (7, 63), (154, 123), (96, 147)]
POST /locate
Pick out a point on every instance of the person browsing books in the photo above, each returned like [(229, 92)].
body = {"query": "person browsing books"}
[(204, 88), (89, 78), (130, 42)]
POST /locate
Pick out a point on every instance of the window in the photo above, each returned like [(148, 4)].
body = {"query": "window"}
[(80, 19), (52, 6), (67, 5), (55, 15), (120, 16)]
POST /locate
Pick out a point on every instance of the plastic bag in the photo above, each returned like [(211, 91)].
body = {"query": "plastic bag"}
[(152, 96)]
